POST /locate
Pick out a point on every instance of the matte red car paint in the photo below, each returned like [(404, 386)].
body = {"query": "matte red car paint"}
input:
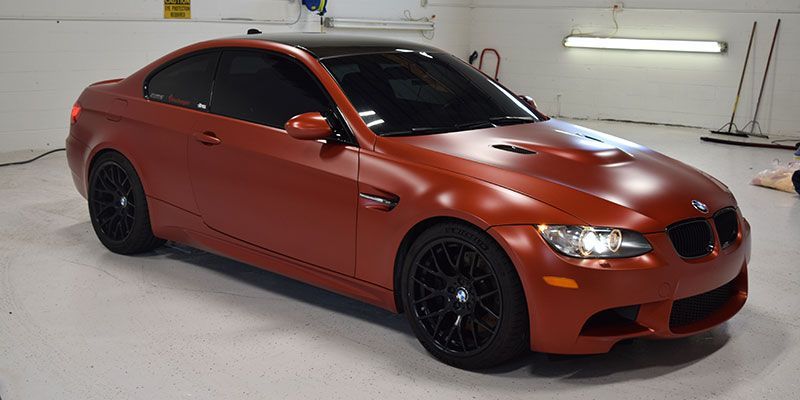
[(208, 180), (653, 280), (316, 211), (308, 126)]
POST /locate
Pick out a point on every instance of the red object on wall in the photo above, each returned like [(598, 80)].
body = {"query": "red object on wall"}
[(497, 67)]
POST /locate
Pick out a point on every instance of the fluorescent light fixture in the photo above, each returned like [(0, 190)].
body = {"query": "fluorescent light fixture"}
[(355, 23), (691, 46)]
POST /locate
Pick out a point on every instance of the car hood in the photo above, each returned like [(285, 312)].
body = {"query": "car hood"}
[(598, 178)]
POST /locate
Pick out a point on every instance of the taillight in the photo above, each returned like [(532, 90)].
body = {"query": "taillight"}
[(76, 112)]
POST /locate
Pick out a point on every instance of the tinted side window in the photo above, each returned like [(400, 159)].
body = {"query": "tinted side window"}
[(264, 88), (186, 83)]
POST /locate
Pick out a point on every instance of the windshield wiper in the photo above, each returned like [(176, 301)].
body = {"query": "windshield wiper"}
[(489, 123), (423, 130), (511, 120)]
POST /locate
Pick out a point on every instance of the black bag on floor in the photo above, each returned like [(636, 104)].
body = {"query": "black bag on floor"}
[(796, 181)]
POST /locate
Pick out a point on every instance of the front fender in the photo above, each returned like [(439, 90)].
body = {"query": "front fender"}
[(425, 192)]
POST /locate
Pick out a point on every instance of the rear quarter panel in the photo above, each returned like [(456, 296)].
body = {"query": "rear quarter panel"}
[(153, 136)]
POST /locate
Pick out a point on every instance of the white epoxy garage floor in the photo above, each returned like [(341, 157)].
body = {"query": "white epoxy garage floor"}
[(78, 322)]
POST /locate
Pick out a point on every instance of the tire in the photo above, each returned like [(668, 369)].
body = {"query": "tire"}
[(118, 206), (463, 297)]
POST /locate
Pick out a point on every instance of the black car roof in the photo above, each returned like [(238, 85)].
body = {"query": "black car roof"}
[(324, 45)]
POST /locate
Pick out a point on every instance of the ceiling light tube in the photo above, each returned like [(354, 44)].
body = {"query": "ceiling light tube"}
[(354, 23), (691, 46)]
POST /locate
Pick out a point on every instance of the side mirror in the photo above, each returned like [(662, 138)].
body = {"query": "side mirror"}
[(308, 126), (529, 101)]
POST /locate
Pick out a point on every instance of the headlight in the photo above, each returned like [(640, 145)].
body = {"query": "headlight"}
[(594, 242)]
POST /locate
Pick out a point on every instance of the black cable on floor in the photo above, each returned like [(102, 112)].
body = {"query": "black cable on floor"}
[(787, 140), (32, 159)]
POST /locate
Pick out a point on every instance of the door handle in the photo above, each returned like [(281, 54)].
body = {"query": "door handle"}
[(207, 138)]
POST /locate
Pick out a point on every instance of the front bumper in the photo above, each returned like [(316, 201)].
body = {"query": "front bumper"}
[(643, 289)]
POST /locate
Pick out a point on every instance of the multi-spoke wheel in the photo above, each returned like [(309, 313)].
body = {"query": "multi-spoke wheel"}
[(118, 207), (110, 202), (463, 297)]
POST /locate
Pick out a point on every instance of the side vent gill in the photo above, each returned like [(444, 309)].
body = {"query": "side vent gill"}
[(513, 149)]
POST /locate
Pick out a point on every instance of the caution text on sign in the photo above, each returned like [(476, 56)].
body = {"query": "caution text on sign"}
[(177, 9)]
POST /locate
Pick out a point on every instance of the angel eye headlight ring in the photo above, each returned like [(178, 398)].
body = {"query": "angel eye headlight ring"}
[(594, 242)]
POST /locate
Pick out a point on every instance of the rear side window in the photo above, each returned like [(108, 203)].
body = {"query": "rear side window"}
[(264, 88), (186, 83)]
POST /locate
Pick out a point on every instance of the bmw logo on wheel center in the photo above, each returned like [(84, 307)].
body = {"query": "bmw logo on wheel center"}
[(700, 206), (462, 295)]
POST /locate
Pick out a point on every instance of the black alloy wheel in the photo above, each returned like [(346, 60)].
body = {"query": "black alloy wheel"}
[(455, 296), (112, 202), (118, 206), (463, 297)]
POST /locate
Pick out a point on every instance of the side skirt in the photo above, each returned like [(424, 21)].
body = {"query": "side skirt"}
[(173, 223)]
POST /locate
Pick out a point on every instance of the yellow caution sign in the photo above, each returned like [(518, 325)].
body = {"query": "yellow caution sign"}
[(177, 9)]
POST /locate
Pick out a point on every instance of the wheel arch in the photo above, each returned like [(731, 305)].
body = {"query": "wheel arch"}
[(413, 234), (101, 150), (94, 157)]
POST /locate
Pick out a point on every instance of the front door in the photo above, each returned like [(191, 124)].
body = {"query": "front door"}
[(254, 182)]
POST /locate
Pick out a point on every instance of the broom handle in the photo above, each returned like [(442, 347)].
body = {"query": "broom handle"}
[(741, 80), (766, 70)]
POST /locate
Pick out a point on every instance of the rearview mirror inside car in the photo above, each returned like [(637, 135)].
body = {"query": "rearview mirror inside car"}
[(529, 101)]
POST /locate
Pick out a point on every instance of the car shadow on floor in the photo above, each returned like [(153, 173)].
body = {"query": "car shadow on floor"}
[(628, 361), (649, 357), (631, 359), (284, 286)]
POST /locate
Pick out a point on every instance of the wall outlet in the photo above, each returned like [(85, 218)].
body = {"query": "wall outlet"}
[(617, 6)]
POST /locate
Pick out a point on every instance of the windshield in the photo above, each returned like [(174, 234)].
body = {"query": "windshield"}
[(406, 93)]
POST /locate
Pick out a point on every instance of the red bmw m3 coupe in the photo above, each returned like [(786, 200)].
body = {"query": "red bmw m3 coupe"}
[(394, 173)]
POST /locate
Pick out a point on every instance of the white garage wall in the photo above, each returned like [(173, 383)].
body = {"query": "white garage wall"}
[(45, 62), (690, 89)]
